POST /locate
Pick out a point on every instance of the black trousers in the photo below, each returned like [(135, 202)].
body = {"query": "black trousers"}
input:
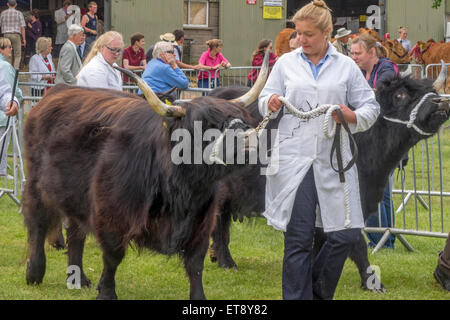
[(303, 278)]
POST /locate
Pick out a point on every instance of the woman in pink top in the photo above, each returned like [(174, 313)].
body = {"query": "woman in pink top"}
[(211, 60)]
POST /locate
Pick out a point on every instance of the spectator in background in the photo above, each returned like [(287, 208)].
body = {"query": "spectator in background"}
[(98, 70), (403, 34), (167, 37), (294, 43), (42, 62), (258, 59), (33, 32), (162, 72), (341, 43), (7, 108), (61, 17), (364, 52), (69, 62), (89, 23), (82, 49), (13, 27), (211, 60), (133, 57), (178, 46)]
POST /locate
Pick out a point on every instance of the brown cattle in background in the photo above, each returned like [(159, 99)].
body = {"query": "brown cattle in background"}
[(396, 52), (282, 42)]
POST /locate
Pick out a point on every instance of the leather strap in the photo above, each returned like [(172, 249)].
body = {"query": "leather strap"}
[(336, 147)]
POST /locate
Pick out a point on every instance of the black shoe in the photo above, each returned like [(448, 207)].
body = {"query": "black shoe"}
[(442, 278)]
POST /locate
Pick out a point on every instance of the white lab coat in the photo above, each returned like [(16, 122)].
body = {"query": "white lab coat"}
[(99, 74), (302, 143)]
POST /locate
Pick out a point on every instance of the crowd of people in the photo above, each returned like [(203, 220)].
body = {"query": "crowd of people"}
[(304, 76)]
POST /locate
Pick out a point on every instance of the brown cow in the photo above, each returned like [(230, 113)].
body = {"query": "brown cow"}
[(282, 42), (431, 52), (396, 52)]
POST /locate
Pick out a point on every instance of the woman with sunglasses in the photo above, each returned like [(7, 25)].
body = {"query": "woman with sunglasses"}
[(97, 70), (162, 72)]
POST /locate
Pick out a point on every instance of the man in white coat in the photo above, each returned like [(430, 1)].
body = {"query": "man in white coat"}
[(308, 77)]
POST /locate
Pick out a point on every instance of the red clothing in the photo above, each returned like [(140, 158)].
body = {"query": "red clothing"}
[(134, 58), (258, 61), (209, 61)]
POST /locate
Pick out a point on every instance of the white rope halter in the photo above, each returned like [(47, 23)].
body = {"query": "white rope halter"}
[(326, 109), (413, 116)]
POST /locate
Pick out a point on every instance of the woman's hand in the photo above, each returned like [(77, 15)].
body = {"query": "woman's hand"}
[(11, 108), (349, 115), (274, 103)]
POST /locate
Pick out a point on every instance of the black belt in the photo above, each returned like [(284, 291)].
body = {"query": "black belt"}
[(337, 147)]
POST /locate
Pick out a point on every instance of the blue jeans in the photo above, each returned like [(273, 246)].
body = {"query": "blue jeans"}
[(303, 278), (386, 211)]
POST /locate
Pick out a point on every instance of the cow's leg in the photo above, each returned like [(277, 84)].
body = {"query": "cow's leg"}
[(193, 262), (113, 253), (220, 251), (36, 239), (359, 255), (75, 244), (57, 240)]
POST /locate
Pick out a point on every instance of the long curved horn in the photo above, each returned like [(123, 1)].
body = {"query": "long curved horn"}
[(439, 84), (160, 107), (252, 95)]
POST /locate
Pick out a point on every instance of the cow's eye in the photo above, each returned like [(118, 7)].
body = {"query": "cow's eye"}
[(401, 96)]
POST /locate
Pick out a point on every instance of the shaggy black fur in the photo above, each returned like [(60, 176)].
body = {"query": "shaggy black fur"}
[(102, 160)]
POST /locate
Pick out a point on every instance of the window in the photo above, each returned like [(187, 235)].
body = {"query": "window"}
[(196, 13)]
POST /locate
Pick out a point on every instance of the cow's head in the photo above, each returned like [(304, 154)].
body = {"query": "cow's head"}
[(396, 52), (204, 117), (415, 104)]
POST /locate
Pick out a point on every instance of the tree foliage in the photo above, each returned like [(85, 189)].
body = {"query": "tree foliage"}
[(436, 4)]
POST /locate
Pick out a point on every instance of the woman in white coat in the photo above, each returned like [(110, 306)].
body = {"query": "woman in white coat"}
[(310, 76), (97, 70), (42, 62)]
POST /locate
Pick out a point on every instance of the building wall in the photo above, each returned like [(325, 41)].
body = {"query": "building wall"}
[(242, 26), (151, 18), (423, 22)]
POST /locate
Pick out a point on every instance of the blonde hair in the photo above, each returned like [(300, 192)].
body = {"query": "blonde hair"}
[(42, 43), (102, 41), (214, 43), (400, 29), (4, 42), (318, 12)]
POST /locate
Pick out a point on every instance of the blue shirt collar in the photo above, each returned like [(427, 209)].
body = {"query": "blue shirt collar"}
[(315, 69)]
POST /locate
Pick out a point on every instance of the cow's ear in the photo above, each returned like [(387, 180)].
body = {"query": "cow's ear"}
[(389, 43)]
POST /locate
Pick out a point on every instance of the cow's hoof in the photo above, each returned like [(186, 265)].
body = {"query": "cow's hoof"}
[(58, 245), (228, 265), (85, 282), (105, 294), (35, 273)]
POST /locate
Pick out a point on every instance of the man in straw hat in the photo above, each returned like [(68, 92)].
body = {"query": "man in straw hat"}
[(342, 41), (167, 37)]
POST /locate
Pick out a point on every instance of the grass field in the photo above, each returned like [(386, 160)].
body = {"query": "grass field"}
[(256, 248)]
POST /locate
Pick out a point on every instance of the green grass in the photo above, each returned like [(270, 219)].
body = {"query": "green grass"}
[(256, 248)]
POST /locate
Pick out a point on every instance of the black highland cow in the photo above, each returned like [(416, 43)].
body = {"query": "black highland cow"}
[(101, 159)]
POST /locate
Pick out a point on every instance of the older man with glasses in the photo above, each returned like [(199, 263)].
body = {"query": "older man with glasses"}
[(98, 68), (162, 72)]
